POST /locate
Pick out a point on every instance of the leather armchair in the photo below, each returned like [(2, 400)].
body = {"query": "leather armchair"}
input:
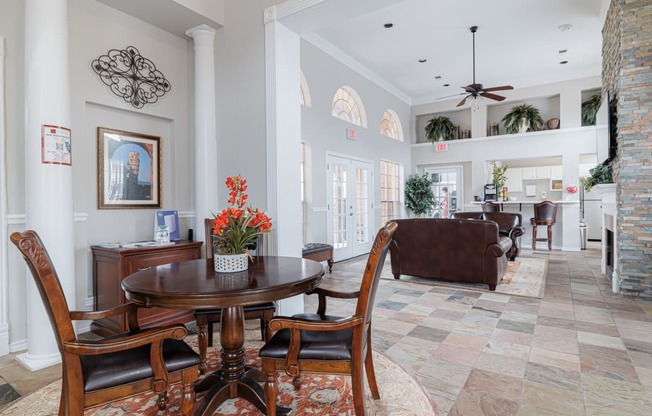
[(510, 224)]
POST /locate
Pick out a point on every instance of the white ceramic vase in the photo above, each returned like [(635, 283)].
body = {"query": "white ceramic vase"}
[(228, 263)]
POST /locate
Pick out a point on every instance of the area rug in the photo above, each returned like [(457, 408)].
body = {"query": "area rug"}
[(524, 277), (401, 395)]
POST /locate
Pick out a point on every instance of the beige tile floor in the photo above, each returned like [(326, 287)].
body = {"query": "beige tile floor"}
[(581, 350)]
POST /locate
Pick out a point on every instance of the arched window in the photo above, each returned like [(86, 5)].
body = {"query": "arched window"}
[(305, 92), (390, 125), (347, 105)]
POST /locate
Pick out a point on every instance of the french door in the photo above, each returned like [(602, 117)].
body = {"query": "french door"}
[(350, 206), (448, 187)]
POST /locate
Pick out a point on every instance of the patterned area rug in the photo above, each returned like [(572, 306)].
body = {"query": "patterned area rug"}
[(524, 277), (400, 394)]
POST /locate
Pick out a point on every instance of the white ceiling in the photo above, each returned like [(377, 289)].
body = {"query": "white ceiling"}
[(517, 43)]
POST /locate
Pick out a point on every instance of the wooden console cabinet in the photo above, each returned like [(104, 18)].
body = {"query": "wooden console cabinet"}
[(112, 265)]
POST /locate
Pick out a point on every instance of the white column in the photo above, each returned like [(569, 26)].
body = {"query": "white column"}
[(4, 270), (570, 214), (48, 187), (282, 51), (206, 179)]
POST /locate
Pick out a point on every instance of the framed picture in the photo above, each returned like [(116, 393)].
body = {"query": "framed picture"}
[(128, 169)]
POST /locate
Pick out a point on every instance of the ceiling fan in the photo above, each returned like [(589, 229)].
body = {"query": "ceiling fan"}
[(474, 89)]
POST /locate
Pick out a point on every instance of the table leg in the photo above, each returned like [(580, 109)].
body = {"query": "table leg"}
[(233, 379)]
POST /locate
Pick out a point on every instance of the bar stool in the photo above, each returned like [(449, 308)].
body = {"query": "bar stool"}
[(545, 213), (489, 206)]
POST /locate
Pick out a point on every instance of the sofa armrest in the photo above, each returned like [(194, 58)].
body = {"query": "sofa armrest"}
[(501, 247), (516, 232)]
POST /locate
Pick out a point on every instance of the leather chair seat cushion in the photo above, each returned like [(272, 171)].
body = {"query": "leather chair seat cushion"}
[(251, 308), (109, 370), (315, 345), (315, 248)]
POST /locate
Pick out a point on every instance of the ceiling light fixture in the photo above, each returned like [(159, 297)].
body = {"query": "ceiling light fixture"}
[(437, 76), (565, 27), (447, 85), (422, 60), (388, 25), (563, 62)]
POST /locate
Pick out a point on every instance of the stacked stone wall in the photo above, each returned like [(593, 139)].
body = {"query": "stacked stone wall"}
[(627, 76)]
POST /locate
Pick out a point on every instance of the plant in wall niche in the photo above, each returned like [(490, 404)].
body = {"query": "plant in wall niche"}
[(439, 128), (522, 118), (498, 176), (590, 109), (599, 174), (419, 197)]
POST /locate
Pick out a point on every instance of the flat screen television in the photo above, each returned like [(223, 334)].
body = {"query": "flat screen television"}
[(607, 139)]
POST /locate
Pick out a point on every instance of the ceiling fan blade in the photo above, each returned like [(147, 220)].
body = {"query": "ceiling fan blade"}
[(501, 88), (449, 96), (492, 96), (463, 101)]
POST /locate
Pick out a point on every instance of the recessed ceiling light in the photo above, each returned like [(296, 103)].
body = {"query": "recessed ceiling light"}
[(562, 51), (422, 60), (388, 25), (437, 76), (565, 27), (447, 85), (563, 62)]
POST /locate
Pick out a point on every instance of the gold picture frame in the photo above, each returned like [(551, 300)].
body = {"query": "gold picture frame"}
[(128, 169)]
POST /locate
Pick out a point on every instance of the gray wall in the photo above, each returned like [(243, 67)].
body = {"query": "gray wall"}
[(94, 29), (324, 133)]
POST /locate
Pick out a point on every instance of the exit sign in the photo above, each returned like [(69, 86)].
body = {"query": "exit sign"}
[(350, 134), (441, 147)]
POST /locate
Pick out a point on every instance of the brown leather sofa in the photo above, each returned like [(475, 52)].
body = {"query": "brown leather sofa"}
[(450, 249), (510, 224)]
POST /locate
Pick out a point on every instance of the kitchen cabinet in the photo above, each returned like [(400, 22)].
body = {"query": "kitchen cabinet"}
[(112, 264), (529, 173), (556, 172), (543, 172), (514, 182)]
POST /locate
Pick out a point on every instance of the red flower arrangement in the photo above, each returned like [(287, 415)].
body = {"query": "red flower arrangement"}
[(238, 226)]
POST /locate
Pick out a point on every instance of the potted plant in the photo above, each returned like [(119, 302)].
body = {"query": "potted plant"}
[(419, 197), (599, 174), (522, 118), (498, 176), (590, 109), (439, 128)]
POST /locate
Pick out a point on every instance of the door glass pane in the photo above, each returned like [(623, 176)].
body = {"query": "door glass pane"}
[(339, 206), (362, 204), (445, 188)]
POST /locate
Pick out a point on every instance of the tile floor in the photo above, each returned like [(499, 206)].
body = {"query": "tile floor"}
[(581, 350)]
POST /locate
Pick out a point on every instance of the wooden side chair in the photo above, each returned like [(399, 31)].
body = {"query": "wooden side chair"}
[(96, 372), (320, 343), (206, 319), (545, 214), (489, 206)]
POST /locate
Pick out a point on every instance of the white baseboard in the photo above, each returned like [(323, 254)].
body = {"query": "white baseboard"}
[(16, 346)]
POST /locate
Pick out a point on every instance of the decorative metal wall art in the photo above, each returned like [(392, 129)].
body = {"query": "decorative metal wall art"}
[(131, 76)]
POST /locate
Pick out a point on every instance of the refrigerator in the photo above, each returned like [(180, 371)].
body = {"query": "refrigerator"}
[(591, 212)]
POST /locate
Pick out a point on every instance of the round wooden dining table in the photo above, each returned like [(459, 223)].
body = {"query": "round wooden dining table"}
[(194, 285)]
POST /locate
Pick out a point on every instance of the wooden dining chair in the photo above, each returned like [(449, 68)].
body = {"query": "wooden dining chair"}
[(206, 318), (100, 371), (320, 343)]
